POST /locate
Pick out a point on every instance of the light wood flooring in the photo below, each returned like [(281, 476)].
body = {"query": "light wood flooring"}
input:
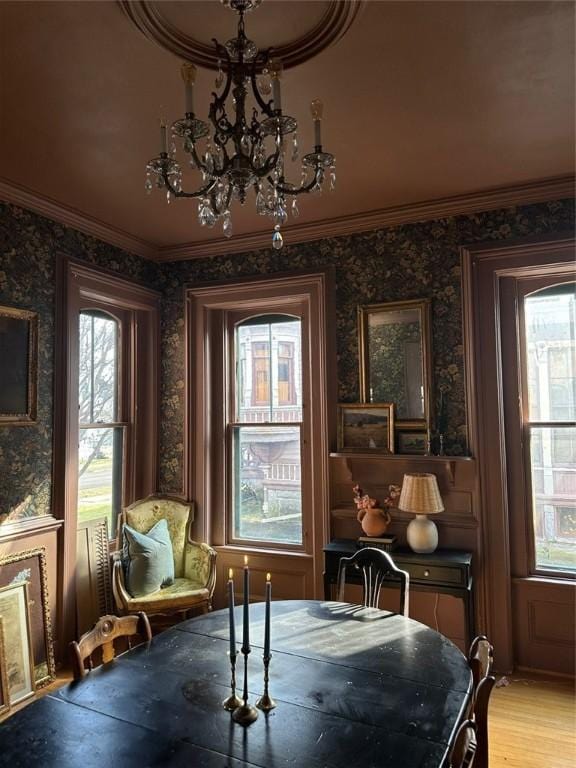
[(532, 722)]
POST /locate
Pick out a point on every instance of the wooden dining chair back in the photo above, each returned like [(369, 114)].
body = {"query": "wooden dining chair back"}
[(480, 659), (480, 716), (107, 630), (464, 747), (376, 566)]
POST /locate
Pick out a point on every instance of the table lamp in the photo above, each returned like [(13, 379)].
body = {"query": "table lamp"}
[(421, 497)]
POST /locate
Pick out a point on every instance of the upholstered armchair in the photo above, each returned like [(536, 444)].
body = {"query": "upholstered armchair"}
[(194, 563)]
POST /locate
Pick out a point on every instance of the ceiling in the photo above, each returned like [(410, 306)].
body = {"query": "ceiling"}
[(423, 100)]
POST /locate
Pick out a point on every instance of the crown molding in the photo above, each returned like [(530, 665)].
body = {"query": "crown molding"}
[(70, 217), (555, 188)]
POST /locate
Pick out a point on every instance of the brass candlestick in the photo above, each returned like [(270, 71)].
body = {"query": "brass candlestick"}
[(265, 702), (232, 702), (245, 714)]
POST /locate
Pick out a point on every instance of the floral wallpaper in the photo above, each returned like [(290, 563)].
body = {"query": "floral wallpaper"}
[(405, 262), (29, 247), (410, 261)]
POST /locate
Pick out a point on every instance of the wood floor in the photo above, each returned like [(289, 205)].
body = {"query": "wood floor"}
[(532, 723)]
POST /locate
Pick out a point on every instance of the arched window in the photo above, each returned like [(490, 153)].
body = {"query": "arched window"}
[(266, 433), (101, 431), (549, 356)]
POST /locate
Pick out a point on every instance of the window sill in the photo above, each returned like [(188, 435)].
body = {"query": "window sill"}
[(562, 579), (253, 551)]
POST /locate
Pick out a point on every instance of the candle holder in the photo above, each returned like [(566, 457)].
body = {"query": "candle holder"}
[(265, 702), (245, 714), (232, 702)]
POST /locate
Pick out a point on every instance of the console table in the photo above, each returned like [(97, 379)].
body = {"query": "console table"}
[(447, 571)]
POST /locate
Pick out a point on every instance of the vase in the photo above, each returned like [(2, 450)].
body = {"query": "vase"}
[(374, 521)]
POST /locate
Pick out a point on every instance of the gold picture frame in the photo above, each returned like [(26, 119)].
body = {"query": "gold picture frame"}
[(19, 378), (4, 693), (366, 427), (30, 565), (397, 366), (17, 642)]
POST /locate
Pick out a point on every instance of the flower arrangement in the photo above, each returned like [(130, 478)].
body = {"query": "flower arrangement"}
[(373, 515)]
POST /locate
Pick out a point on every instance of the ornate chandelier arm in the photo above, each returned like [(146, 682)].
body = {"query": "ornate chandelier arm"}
[(291, 189), (180, 193)]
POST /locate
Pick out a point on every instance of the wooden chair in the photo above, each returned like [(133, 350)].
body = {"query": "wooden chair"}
[(481, 659), (194, 562), (107, 629), (480, 714), (464, 747), (376, 566)]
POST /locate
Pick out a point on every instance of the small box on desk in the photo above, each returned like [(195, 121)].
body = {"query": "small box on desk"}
[(387, 543)]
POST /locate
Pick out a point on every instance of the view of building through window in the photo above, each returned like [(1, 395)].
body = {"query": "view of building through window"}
[(267, 432), (551, 363), (100, 443)]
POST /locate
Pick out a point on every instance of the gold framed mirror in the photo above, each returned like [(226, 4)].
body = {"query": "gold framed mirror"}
[(395, 352)]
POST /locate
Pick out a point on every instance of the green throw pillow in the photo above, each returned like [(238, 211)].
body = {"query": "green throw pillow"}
[(149, 560)]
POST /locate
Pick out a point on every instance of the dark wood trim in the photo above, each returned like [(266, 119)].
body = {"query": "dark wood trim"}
[(206, 307), (76, 285), (28, 526), (483, 266)]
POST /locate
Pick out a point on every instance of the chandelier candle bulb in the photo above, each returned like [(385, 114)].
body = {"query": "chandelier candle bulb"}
[(317, 110), (246, 616), (231, 612), (163, 137), (189, 76), (268, 597), (276, 74)]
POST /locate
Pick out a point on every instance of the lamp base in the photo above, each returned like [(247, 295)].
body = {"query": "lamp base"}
[(422, 535)]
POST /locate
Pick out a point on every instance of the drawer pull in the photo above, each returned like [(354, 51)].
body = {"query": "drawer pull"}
[(426, 573)]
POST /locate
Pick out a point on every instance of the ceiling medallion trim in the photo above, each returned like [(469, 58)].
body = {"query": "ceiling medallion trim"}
[(148, 18)]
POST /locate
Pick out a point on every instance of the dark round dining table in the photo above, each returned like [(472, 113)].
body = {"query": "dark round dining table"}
[(353, 687)]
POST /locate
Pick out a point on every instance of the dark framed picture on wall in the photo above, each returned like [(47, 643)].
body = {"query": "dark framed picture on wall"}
[(19, 369), (366, 427)]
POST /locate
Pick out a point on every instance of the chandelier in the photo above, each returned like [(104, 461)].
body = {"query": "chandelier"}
[(246, 151)]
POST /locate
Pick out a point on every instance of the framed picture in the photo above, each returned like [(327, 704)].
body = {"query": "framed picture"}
[(395, 353), (30, 566), (412, 442), (17, 645), (366, 427), (4, 693), (19, 371)]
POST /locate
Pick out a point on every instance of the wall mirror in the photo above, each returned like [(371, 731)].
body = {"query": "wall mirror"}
[(396, 357)]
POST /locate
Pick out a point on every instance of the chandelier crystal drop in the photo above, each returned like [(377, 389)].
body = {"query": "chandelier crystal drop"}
[(247, 151)]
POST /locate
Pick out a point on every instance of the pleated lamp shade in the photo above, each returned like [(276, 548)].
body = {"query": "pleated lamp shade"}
[(420, 495)]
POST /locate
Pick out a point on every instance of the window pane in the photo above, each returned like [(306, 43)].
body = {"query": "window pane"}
[(269, 370), (98, 377), (551, 354), (267, 488), (100, 475), (553, 459)]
